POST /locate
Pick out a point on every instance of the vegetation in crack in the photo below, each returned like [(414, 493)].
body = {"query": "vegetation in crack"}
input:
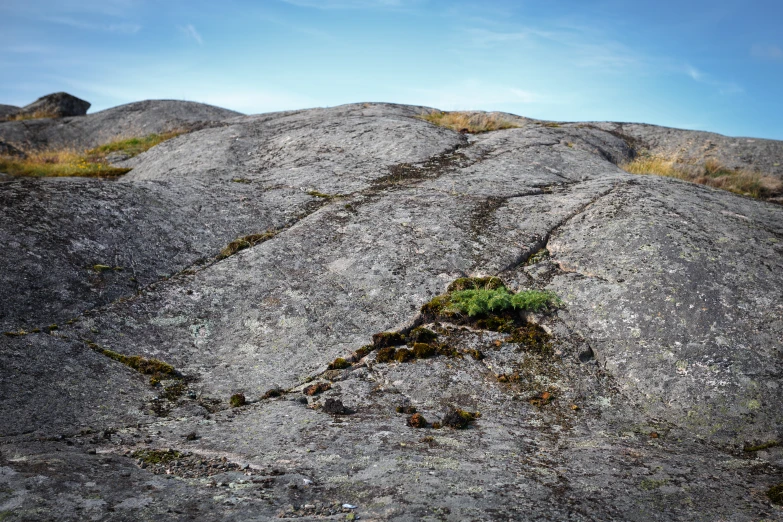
[(92, 163), (404, 173), (245, 242)]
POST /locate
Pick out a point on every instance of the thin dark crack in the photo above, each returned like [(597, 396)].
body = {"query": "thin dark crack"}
[(543, 241)]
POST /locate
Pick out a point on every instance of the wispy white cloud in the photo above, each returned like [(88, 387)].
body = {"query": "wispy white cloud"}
[(190, 32), (767, 52), (121, 28), (723, 87)]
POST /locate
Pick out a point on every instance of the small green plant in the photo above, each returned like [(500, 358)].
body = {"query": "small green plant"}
[(483, 301), (775, 494)]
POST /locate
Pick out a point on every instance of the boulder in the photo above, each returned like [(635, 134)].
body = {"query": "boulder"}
[(8, 111), (57, 105)]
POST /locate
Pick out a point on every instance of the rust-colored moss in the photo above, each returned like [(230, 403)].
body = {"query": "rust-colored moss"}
[(273, 392), (315, 389), (417, 420), (541, 399), (408, 410), (364, 351)]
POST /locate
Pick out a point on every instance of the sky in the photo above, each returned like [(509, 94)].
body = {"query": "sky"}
[(708, 65)]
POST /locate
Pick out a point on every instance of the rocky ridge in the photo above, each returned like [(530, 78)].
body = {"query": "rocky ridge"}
[(650, 393)]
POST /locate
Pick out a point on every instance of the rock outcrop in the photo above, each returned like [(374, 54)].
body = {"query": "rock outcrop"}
[(133, 119), (57, 105), (259, 255), (8, 111)]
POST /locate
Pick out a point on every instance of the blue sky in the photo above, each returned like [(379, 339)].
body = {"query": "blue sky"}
[(712, 65)]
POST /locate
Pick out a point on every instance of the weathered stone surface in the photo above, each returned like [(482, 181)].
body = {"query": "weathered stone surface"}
[(8, 111), (698, 146), (664, 359), (56, 105), (133, 119)]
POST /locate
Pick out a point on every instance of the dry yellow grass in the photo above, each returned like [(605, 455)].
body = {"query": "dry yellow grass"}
[(712, 173), (91, 163), (472, 122), (31, 116)]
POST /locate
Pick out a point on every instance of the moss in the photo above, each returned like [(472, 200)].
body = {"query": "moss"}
[(775, 494), (650, 484), (475, 283), (384, 339), (52, 327), (157, 456), (408, 410), (273, 392), (538, 257), (386, 355), (241, 180), (761, 447), (424, 350), (18, 333), (174, 392), (101, 268), (436, 425), (508, 377), (532, 337), (315, 389), (339, 364), (321, 195), (245, 242), (364, 351), (237, 400), (476, 354), (448, 351), (153, 367), (417, 420), (496, 324), (482, 302), (404, 355), (422, 335), (459, 419)]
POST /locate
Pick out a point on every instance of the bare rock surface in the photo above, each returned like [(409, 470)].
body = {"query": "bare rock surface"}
[(125, 121), (56, 105), (653, 392), (8, 111)]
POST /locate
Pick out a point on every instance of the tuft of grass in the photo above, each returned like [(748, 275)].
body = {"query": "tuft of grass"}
[(712, 174), (91, 163), (471, 122), (483, 301)]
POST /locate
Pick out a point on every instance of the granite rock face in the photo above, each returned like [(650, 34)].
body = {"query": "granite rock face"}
[(8, 111), (655, 395)]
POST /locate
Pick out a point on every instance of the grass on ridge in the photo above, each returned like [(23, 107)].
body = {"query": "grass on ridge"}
[(91, 163), (468, 121), (712, 174)]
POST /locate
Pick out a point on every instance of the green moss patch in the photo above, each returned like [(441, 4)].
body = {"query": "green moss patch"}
[(237, 400), (775, 494), (157, 456), (459, 419)]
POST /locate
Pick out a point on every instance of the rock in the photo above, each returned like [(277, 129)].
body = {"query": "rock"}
[(10, 150), (8, 111), (336, 407), (633, 400), (57, 105)]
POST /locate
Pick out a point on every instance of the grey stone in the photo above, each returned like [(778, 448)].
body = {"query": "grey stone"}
[(8, 111), (664, 361), (56, 105)]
